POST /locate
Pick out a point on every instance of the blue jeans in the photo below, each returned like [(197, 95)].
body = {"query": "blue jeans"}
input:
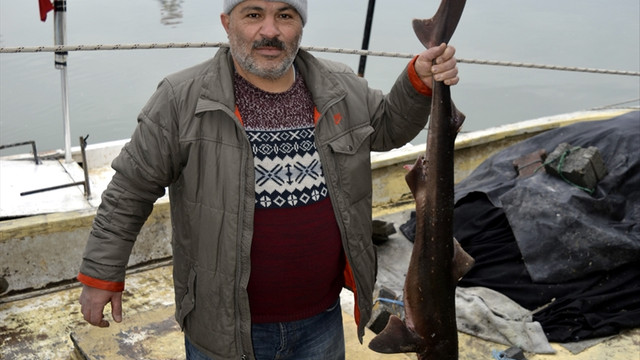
[(320, 337)]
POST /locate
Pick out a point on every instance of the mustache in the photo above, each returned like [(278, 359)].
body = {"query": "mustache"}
[(273, 42)]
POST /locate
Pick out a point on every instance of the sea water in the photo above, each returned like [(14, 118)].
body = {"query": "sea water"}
[(107, 89)]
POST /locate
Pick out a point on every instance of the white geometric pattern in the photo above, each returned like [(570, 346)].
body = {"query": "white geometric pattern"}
[(287, 168), (280, 127)]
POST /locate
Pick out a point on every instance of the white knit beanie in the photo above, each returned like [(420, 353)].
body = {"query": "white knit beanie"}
[(300, 5)]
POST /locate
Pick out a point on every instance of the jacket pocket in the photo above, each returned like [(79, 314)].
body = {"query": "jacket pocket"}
[(349, 143), (351, 156), (188, 301)]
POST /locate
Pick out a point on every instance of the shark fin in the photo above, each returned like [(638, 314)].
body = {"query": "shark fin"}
[(424, 28), (395, 338), (440, 28), (415, 174), (462, 261)]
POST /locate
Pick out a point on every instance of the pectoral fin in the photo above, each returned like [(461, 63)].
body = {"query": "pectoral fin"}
[(415, 176), (395, 338), (462, 261)]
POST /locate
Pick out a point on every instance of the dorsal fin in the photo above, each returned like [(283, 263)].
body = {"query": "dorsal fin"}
[(395, 338)]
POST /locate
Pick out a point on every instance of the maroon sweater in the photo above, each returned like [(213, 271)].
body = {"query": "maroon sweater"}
[(297, 259)]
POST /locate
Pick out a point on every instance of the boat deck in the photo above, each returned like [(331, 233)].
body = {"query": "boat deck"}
[(20, 176), (50, 326)]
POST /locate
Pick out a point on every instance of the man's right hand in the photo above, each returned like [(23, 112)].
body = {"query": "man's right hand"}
[(93, 301)]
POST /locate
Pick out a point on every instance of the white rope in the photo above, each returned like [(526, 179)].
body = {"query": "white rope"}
[(550, 67), (67, 48)]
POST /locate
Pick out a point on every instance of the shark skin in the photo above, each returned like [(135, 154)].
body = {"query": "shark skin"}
[(437, 262)]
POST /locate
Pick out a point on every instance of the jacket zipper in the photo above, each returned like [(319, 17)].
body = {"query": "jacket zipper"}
[(333, 194), (239, 251)]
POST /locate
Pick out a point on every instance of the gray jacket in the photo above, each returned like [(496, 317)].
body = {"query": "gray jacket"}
[(189, 139)]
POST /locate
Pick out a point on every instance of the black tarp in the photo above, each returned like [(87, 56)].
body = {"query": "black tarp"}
[(562, 231), (545, 243), (595, 305)]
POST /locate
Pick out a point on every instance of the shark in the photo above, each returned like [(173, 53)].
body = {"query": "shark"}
[(437, 260)]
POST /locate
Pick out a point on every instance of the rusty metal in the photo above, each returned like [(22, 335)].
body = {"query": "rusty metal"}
[(85, 166), (85, 183), (33, 149)]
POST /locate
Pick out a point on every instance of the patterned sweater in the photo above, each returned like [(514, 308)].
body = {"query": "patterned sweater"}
[(296, 253)]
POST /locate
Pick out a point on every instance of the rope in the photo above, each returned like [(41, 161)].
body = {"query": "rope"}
[(66, 48), (550, 67)]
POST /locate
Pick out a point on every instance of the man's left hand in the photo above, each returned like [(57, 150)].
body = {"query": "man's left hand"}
[(437, 63)]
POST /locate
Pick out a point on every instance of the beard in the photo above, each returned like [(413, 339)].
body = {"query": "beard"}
[(241, 52)]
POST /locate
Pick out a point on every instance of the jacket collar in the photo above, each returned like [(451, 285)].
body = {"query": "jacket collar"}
[(219, 76), (322, 84)]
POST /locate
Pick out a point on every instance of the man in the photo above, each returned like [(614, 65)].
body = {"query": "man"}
[(265, 150)]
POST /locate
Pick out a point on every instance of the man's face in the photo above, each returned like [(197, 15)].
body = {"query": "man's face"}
[(264, 36)]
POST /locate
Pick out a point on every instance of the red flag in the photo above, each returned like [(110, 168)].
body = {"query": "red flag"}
[(45, 7)]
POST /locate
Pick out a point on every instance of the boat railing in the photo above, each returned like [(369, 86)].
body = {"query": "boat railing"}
[(85, 183), (24, 143)]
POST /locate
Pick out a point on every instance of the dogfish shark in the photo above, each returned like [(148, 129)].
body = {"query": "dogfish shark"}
[(437, 260)]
